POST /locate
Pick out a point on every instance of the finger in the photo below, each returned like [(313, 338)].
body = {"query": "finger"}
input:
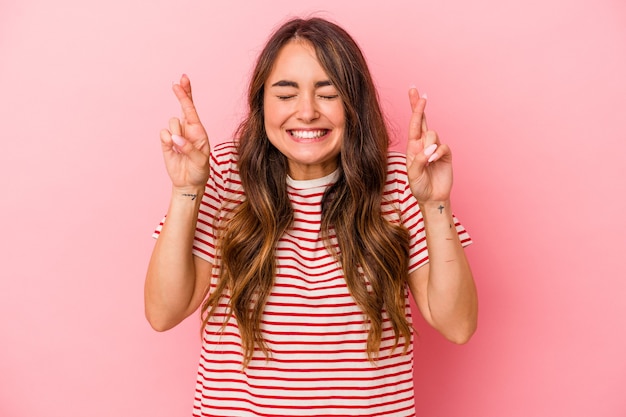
[(166, 137), (185, 83), (175, 126), (195, 155), (414, 97), (417, 116), (424, 97), (166, 141), (176, 131), (430, 138), (186, 103), (442, 152), (431, 145)]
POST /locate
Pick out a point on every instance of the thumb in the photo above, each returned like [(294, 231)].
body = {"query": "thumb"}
[(180, 142), (418, 160), (187, 148)]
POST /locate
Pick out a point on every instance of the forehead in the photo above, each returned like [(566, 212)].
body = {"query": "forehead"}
[(297, 60)]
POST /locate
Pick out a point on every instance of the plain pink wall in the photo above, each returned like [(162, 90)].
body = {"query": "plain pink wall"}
[(530, 95)]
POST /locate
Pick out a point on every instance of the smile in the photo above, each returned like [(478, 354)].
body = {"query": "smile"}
[(308, 134)]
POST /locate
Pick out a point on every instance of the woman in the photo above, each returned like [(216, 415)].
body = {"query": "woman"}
[(301, 239)]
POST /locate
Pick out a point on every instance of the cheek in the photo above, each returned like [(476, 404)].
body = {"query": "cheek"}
[(271, 125), (337, 115), (272, 117)]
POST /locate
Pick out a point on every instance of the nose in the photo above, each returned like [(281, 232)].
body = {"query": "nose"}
[(307, 108)]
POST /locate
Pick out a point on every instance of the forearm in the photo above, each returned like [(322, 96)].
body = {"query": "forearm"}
[(171, 277), (452, 299)]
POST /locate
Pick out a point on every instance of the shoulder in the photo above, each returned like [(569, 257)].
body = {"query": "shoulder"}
[(225, 152), (396, 161), (224, 158), (396, 170), (224, 168)]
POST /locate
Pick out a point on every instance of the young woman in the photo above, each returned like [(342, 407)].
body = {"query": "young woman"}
[(301, 240)]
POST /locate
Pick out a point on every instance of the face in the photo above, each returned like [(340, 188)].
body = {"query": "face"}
[(304, 116)]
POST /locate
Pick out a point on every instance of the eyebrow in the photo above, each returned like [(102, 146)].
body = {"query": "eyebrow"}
[(285, 83)]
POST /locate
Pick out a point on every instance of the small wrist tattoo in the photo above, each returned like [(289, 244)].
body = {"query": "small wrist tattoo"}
[(441, 207), (193, 196)]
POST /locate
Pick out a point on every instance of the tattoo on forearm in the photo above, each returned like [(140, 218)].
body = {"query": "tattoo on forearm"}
[(193, 196), (441, 207)]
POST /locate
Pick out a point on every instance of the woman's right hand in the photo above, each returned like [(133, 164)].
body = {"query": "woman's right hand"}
[(185, 144)]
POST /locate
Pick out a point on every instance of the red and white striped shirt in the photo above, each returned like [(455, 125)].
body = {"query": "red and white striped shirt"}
[(318, 365)]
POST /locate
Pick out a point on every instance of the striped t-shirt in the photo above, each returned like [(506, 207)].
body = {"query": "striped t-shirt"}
[(315, 332)]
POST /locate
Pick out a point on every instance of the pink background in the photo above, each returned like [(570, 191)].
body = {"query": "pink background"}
[(531, 96)]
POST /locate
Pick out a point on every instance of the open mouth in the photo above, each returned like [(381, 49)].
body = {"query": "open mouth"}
[(308, 135)]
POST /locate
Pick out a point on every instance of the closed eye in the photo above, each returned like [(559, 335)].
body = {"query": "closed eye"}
[(329, 97)]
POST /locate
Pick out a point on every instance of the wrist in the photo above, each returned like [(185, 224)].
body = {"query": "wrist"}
[(438, 221), (188, 193), (436, 207), (185, 202), (437, 214)]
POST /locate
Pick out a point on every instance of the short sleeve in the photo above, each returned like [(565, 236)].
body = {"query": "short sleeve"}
[(223, 189), (411, 216)]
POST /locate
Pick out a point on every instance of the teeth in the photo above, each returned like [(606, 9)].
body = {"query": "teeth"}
[(308, 134)]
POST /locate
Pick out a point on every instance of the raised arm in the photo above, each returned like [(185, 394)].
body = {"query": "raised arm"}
[(177, 280), (444, 288)]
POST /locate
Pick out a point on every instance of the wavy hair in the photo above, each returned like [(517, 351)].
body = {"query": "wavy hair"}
[(372, 251)]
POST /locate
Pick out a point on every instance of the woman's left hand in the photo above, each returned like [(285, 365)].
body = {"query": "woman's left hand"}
[(428, 161)]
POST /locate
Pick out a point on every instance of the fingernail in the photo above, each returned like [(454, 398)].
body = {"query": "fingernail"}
[(412, 87), (428, 150), (433, 157), (178, 140), (425, 96)]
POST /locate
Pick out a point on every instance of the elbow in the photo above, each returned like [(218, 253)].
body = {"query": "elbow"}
[(461, 337), (464, 332), (158, 322), (459, 330), (159, 327), (460, 327)]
